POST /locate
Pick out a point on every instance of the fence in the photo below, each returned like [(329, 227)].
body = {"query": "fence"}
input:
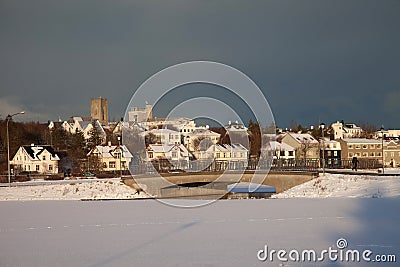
[(164, 166)]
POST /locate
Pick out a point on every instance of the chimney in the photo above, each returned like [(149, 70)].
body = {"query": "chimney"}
[(109, 143)]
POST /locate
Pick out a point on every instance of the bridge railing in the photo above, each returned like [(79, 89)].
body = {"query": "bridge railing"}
[(314, 164)]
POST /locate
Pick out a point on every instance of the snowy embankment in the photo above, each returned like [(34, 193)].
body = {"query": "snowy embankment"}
[(75, 190), (345, 186)]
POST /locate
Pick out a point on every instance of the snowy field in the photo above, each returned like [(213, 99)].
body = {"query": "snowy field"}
[(71, 190), (330, 185), (313, 216), (226, 233), (346, 186)]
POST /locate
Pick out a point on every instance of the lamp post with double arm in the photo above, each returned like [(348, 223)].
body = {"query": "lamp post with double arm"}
[(9, 117)]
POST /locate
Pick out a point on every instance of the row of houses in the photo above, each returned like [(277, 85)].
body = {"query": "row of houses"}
[(304, 146), (180, 139), (110, 158)]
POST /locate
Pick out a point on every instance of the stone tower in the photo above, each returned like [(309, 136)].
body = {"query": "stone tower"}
[(99, 110)]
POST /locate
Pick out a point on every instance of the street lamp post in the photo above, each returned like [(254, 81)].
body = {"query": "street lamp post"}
[(120, 158), (383, 155), (323, 148), (8, 146)]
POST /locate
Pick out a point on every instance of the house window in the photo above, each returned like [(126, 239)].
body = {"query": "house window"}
[(364, 146), (233, 154), (350, 146), (282, 154), (105, 165), (365, 154), (118, 155), (372, 146), (372, 154), (241, 154), (37, 168), (50, 167), (123, 164), (44, 157), (335, 153), (218, 155), (358, 146), (378, 146), (224, 155), (112, 164), (174, 154), (379, 154), (150, 155), (25, 158), (350, 155), (291, 153)]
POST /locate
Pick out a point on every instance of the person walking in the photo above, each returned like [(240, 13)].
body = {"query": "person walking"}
[(354, 164)]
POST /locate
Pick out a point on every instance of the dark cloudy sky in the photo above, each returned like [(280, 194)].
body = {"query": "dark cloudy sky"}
[(314, 60)]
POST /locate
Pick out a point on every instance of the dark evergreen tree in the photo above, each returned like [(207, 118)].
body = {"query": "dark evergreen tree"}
[(95, 137)]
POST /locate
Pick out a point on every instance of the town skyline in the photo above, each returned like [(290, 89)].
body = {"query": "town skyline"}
[(313, 61)]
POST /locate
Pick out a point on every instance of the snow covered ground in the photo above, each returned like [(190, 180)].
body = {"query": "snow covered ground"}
[(330, 185), (74, 190), (226, 233), (347, 186)]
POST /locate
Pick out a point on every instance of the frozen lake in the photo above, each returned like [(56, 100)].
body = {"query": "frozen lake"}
[(226, 233)]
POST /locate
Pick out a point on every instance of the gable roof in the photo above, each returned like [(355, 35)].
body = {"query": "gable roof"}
[(35, 151), (228, 148), (106, 151), (303, 137), (274, 145), (163, 148)]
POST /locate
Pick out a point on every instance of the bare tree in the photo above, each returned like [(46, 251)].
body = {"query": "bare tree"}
[(202, 143)]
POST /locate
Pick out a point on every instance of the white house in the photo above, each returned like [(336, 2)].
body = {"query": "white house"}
[(177, 123), (305, 144), (124, 125), (228, 153), (165, 136), (189, 138), (347, 130), (282, 150), (235, 127), (112, 158), (173, 152), (35, 158)]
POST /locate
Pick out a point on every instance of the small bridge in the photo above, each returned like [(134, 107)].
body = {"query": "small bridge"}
[(208, 185)]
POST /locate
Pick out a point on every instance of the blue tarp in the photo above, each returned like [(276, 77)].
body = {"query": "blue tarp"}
[(250, 188)]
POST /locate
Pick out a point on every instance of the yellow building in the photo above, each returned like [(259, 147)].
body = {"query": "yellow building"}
[(112, 158), (35, 158)]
